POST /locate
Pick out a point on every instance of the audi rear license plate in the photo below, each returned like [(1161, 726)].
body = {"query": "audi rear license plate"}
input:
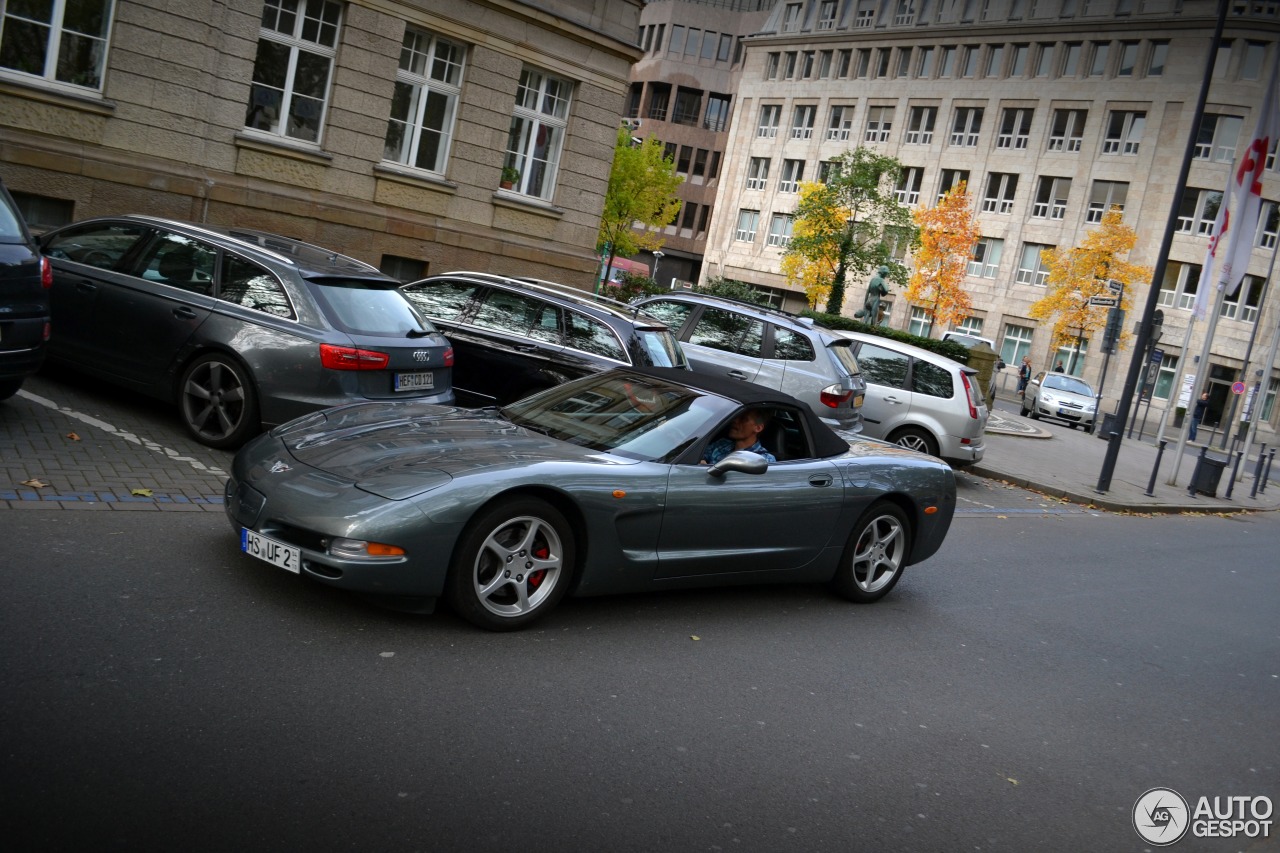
[(276, 553), (415, 381)]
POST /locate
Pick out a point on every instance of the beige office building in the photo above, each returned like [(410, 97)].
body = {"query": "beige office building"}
[(375, 127), (1052, 111)]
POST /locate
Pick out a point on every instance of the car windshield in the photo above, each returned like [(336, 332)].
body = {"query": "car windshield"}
[(1070, 384), (659, 348), (368, 307), (640, 417)]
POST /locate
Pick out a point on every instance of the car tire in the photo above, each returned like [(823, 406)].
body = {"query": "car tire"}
[(876, 554), (1070, 425), (915, 438), (8, 389), (512, 564), (217, 402), (1035, 413), (1024, 410)]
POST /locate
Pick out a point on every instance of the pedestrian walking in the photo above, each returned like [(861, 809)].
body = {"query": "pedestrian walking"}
[(1024, 373), (1197, 415)]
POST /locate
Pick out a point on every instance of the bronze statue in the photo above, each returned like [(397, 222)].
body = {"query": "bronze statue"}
[(876, 289)]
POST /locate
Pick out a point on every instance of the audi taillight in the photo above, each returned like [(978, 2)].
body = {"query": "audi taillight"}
[(46, 273), (448, 357), (833, 396), (350, 358), (968, 393)]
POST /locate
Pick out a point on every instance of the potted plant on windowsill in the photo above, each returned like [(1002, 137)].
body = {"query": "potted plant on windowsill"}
[(509, 177)]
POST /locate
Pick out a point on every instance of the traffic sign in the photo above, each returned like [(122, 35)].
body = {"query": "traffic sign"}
[(1237, 387), (1115, 286), (1107, 301)]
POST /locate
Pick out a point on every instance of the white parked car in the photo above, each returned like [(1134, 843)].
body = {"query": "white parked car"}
[(920, 399), (1057, 395)]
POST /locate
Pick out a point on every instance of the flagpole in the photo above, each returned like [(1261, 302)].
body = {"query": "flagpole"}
[(1136, 363), (1266, 366)]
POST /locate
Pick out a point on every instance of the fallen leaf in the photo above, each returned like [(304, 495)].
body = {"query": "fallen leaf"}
[(1002, 516), (1012, 781), (694, 637), (35, 484), (140, 493), (73, 436)]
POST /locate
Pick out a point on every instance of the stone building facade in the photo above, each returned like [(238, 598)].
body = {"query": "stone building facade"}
[(1052, 111), (375, 127)]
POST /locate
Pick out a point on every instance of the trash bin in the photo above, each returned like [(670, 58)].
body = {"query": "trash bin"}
[(1204, 480), (1108, 424)]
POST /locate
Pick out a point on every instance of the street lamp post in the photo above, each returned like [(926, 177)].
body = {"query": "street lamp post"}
[(657, 259)]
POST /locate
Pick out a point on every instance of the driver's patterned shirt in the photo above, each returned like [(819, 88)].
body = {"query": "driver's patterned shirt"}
[(722, 447)]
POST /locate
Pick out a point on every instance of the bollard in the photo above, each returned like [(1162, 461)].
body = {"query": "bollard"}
[(1151, 486), (1257, 471), (1235, 469), (1267, 474), (1195, 472)]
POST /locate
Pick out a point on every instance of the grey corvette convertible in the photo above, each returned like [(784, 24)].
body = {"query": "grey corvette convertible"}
[(589, 488)]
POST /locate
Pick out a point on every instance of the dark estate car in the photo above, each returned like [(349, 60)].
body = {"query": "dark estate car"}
[(25, 279), (516, 336), (240, 328), (593, 487), (755, 343)]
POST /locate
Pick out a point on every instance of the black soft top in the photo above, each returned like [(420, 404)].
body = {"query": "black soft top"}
[(825, 441)]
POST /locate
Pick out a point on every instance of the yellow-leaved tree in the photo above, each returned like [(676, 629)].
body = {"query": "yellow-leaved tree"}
[(815, 270), (948, 234), (1080, 273)]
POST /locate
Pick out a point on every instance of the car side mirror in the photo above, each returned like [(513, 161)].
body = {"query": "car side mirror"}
[(740, 460)]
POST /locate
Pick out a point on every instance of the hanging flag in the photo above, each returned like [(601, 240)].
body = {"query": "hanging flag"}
[(1245, 187)]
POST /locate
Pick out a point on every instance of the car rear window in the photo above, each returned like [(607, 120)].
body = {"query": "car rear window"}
[(844, 354), (10, 226), (368, 307)]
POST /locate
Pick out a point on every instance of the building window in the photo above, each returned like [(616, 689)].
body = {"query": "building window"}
[(537, 131), (1044, 59), (1251, 65), (920, 322), (1269, 399), (725, 51), (950, 178), (802, 121), (717, 117), (1217, 138), (806, 65), (425, 101), (908, 189), (970, 326), (771, 66), (844, 62), (791, 17), (693, 43), (1072, 356), (659, 101), (1031, 267), (792, 175), (758, 173), (1051, 198), (683, 161), (1157, 58), (826, 169), (403, 269), (995, 61), (866, 16), (770, 115), (1248, 295), (905, 14), (1128, 59), (1166, 376), (1015, 128), (789, 65), (780, 230), (1001, 189), (826, 14), (676, 47), (688, 107), (970, 66), (1268, 225), (864, 63), (879, 123), (947, 64), (1101, 52), (710, 43), (924, 70), (1070, 59), (748, 222), (61, 41), (1067, 131), (966, 127), (1198, 211), (1016, 343), (841, 124), (986, 257), (1178, 290), (688, 216), (824, 64), (920, 125), (1104, 196), (296, 46), (1018, 64), (882, 63), (1124, 132)]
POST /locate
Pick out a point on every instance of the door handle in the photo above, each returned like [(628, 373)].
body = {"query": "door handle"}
[(86, 286), (893, 400), (737, 374), (820, 480), (184, 313), (526, 348)]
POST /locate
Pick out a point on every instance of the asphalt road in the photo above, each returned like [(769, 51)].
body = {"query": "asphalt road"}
[(1020, 690)]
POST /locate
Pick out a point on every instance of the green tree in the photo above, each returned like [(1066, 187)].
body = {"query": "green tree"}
[(640, 200), (853, 221)]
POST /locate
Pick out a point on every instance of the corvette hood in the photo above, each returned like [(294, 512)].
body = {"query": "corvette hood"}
[(398, 450)]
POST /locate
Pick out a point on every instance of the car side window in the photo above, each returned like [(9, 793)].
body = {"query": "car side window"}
[(101, 245), (931, 379), (673, 314), (791, 346), (245, 283), (883, 366), (584, 333), (730, 331), (441, 300), (518, 314), (179, 261)]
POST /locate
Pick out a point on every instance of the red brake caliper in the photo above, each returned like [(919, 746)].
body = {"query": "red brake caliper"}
[(541, 552)]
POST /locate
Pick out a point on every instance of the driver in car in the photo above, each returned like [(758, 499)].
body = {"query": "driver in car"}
[(743, 434)]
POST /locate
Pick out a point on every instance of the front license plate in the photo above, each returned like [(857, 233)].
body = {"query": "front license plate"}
[(276, 553), (415, 381)]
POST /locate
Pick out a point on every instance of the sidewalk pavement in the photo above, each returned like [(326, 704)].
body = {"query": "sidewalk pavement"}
[(1051, 458)]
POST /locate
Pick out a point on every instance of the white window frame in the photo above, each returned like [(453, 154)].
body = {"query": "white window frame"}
[(908, 189), (920, 125), (539, 123), (770, 115), (1067, 130), (1016, 342), (1181, 281), (1124, 132), (879, 123), (1037, 275), (758, 173), (1015, 128), (985, 262), (1224, 135), (748, 224), (60, 38), (1237, 305), (1268, 225), (1052, 194), (791, 175), (315, 33), (827, 14), (802, 119), (966, 127), (1002, 187), (1103, 196), (435, 69), (920, 323), (1204, 213), (841, 125), (956, 176), (780, 230)]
